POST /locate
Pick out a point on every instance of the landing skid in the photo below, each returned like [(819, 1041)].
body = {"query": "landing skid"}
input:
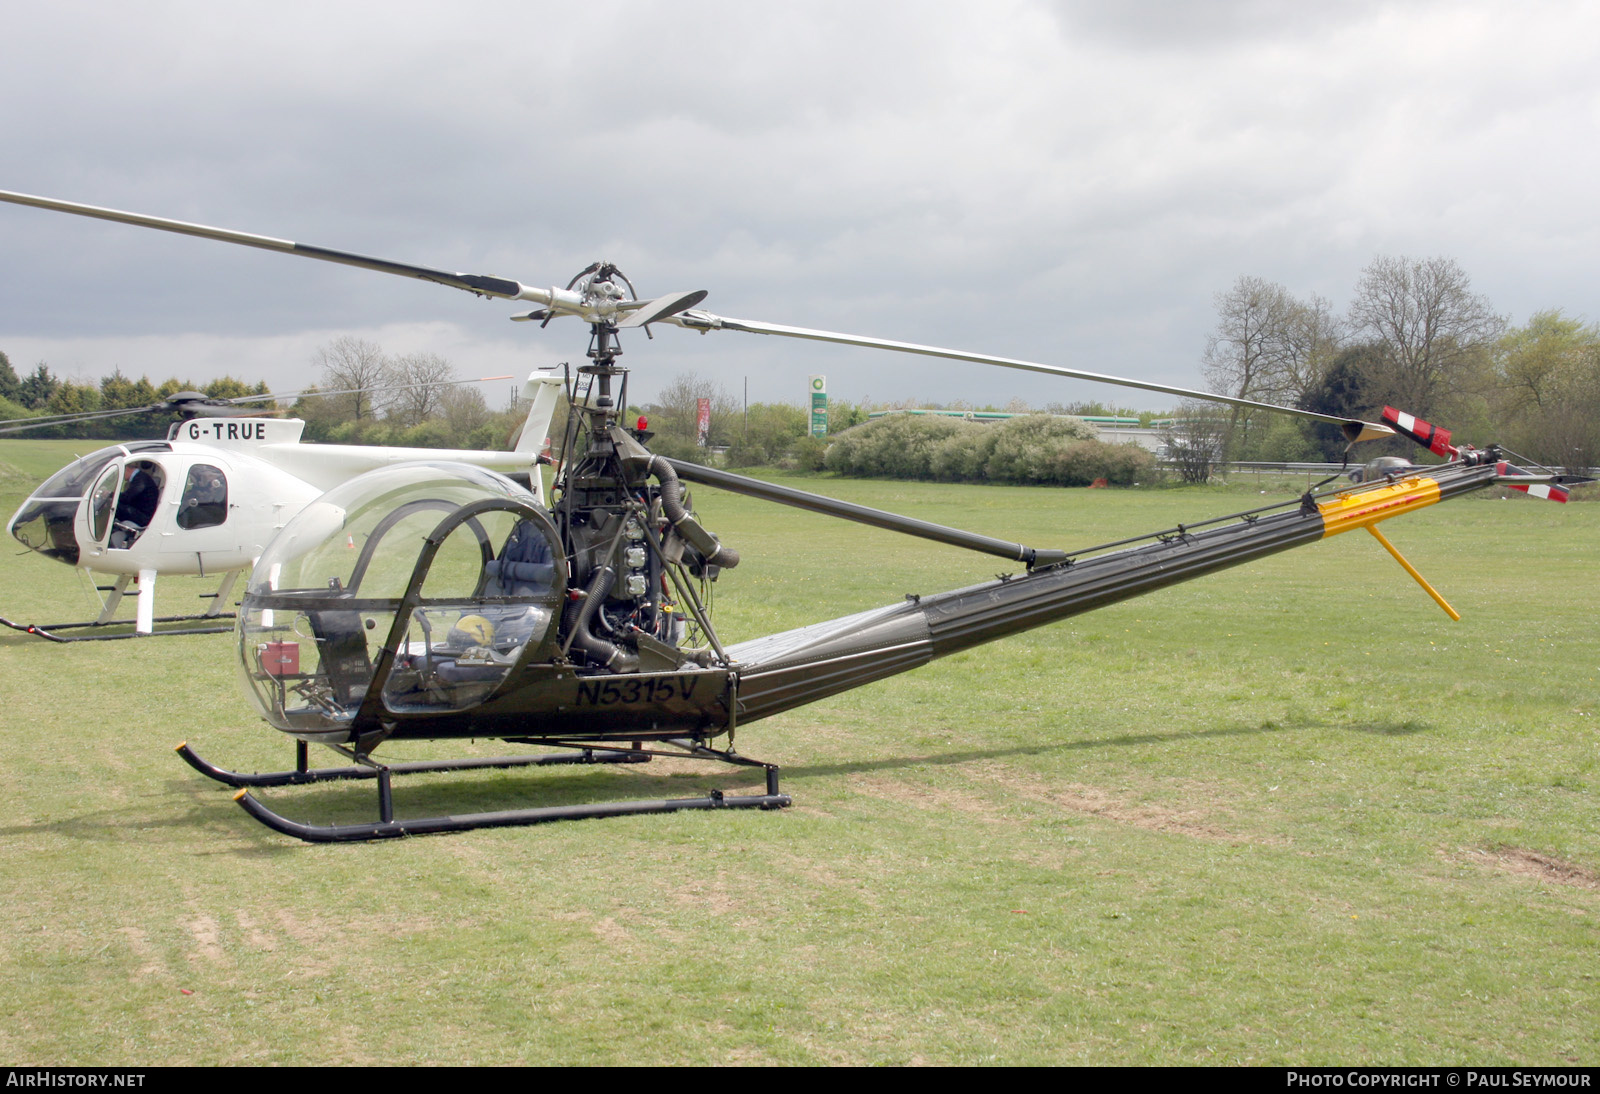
[(48, 630), (144, 620), (388, 827)]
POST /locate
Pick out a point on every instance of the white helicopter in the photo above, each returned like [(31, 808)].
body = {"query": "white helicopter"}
[(209, 498)]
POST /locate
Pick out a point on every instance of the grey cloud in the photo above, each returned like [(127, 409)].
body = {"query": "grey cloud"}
[(1057, 181)]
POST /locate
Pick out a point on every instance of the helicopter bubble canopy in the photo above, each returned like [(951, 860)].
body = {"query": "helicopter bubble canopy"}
[(44, 522), (410, 590)]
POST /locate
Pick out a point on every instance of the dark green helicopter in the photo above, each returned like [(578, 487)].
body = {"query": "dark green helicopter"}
[(430, 600)]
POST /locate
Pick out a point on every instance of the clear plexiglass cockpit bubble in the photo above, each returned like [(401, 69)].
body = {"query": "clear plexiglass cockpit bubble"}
[(451, 570)]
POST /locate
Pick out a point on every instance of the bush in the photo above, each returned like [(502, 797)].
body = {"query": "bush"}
[(748, 455), (1033, 449), (963, 456), (676, 448), (897, 446), (430, 434), (806, 454), (1081, 463)]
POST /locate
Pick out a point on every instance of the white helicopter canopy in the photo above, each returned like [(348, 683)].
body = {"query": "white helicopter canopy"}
[(44, 522)]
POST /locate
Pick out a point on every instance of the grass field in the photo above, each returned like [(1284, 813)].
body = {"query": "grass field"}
[(1290, 813)]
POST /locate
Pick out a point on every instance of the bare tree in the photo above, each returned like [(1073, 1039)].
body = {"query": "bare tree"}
[(418, 382), (1244, 355), (1194, 440), (1314, 337), (1436, 335), (360, 368), (676, 409), (464, 410), (1267, 346)]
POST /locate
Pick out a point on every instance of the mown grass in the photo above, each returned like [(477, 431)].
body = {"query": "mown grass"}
[(1290, 813)]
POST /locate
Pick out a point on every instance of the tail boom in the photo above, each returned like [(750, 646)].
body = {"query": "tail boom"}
[(787, 670)]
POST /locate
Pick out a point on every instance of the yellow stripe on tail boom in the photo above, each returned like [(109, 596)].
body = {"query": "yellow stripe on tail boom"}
[(1365, 508)]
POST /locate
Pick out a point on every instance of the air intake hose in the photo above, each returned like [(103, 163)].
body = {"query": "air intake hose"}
[(718, 554), (576, 624)]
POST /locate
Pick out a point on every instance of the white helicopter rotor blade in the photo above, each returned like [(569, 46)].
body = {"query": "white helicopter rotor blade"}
[(315, 394), (20, 425), (479, 284), (1354, 429)]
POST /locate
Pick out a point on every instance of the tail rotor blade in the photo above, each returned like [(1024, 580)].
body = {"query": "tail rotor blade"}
[(1548, 487), (1431, 437)]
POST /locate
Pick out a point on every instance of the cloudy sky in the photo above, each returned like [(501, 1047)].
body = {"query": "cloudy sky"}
[(1064, 182)]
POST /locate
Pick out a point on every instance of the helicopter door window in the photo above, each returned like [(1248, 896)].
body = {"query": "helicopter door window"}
[(102, 502), (136, 505), (204, 503), (476, 618)]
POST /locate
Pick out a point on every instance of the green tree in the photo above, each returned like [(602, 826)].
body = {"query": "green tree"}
[(117, 392), (1350, 388), (1284, 440), (37, 387), (10, 382), (70, 398), (768, 431), (229, 388), (172, 386), (842, 415), (1547, 395)]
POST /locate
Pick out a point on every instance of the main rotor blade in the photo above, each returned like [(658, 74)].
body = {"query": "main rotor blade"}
[(474, 283), (569, 302), (653, 311), (22, 425), (382, 389), (202, 405), (1354, 429)]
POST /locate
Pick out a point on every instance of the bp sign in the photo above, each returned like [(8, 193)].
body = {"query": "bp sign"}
[(819, 406)]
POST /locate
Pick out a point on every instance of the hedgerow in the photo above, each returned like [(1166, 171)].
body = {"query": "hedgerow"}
[(1034, 449)]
